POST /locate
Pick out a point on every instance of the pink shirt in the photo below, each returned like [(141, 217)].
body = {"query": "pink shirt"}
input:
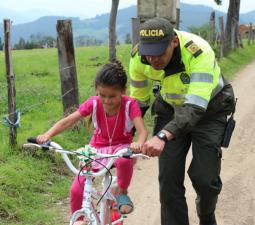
[(101, 139)]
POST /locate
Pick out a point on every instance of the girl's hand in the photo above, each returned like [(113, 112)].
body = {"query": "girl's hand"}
[(136, 147), (42, 138)]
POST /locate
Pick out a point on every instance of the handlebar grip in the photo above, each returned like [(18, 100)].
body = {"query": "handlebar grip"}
[(128, 154), (45, 146), (32, 140)]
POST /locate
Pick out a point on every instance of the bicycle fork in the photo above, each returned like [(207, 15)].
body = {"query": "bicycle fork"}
[(87, 209)]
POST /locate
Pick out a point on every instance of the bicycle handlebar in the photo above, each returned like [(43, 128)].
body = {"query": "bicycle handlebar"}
[(50, 145)]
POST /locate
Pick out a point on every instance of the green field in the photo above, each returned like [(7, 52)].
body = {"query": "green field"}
[(32, 185)]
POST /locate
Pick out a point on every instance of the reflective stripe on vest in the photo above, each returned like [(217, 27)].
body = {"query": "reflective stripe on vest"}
[(196, 100), (173, 96), (201, 77), (218, 87), (139, 84)]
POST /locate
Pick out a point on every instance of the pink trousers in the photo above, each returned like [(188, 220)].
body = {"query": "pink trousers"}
[(124, 172)]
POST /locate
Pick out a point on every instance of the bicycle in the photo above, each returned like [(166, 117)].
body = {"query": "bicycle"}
[(95, 214)]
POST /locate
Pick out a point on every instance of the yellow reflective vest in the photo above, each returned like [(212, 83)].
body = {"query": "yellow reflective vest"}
[(196, 83)]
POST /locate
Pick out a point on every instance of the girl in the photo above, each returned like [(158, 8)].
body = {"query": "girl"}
[(113, 115)]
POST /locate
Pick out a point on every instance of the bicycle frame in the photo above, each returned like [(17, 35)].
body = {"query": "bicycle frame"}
[(88, 210)]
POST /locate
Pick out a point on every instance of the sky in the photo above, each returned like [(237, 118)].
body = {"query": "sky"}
[(91, 8)]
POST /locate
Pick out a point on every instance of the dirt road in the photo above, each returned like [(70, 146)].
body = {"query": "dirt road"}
[(236, 205)]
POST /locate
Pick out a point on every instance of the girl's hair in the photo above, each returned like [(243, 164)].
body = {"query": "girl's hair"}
[(112, 74)]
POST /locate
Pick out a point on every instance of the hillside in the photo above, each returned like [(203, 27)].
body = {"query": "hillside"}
[(97, 27)]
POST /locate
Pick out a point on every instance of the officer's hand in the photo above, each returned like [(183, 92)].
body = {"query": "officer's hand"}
[(153, 147)]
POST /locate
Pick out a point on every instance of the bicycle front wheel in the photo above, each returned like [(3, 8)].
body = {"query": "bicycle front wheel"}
[(90, 217)]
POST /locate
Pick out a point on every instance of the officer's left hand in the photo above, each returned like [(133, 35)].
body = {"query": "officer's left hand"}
[(153, 147)]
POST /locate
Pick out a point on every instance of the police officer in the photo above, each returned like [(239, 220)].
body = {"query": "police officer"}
[(191, 108)]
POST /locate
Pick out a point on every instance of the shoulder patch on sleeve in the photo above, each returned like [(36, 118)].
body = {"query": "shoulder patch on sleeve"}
[(134, 50), (193, 48)]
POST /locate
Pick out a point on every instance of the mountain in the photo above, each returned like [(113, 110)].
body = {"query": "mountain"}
[(248, 17), (191, 15), (196, 15), (24, 16)]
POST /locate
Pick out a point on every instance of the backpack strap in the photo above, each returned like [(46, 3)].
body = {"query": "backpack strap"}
[(94, 116), (128, 122)]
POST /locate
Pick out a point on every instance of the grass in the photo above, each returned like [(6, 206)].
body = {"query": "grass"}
[(30, 184), (236, 60)]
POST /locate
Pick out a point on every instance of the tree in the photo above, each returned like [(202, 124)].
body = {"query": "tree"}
[(21, 44), (128, 39), (218, 2), (202, 31), (232, 25), (1, 44), (112, 30), (212, 28)]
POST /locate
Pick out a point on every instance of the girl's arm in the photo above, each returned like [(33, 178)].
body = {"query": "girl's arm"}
[(141, 132), (59, 127)]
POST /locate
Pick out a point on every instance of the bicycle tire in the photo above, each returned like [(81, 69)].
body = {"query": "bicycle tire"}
[(91, 217)]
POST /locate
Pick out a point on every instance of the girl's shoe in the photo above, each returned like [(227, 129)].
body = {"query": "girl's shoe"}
[(124, 200)]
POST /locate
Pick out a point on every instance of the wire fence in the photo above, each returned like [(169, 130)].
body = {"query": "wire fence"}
[(29, 95), (38, 95)]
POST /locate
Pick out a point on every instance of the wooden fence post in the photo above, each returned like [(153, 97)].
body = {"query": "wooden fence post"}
[(178, 13), (135, 31), (222, 37), (240, 38), (112, 30), (212, 29), (67, 67), (11, 84), (250, 34)]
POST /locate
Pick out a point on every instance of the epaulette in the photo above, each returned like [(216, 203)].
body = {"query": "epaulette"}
[(134, 50), (193, 48)]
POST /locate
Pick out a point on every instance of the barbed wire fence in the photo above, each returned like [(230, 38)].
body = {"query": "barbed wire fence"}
[(27, 107)]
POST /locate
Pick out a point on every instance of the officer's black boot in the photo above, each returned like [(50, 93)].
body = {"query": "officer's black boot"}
[(208, 220)]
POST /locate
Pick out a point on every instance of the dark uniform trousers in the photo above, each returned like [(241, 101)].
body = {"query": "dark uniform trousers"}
[(204, 170)]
